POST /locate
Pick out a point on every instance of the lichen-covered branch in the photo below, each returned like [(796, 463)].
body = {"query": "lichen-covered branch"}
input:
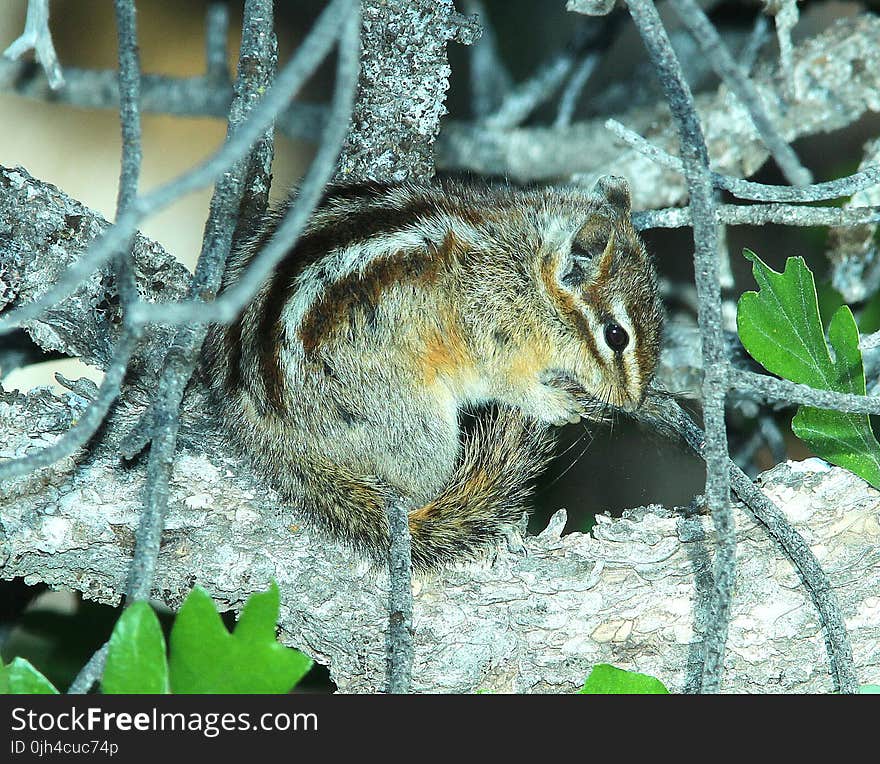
[(838, 78), (731, 73), (867, 176), (402, 88), (695, 162), (229, 211), (38, 251), (632, 594), (838, 70), (37, 37), (854, 251)]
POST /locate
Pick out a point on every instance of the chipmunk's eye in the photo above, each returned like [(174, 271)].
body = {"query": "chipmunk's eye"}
[(615, 336)]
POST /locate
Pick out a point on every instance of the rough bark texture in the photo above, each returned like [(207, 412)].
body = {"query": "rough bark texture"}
[(629, 594), (632, 593), (402, 89), (42, 231)]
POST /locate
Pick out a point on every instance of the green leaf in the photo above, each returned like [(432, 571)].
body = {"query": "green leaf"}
[(608, 680), (780, 328), (136, 661), (21, 678), (206, 658), (869, 689)]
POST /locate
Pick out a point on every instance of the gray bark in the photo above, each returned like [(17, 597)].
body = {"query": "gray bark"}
[(631, 594), (837, 80), (402, 89)]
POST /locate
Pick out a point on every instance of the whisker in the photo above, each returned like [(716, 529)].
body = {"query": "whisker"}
[(612, 409), (574, 443), (576, 459)]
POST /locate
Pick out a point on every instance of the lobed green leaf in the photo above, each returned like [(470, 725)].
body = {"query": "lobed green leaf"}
[(136, 662), (205, 657), (781, 328)]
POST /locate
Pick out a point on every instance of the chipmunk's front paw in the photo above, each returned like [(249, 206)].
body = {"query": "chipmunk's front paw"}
[(561, 406), (572, 417)]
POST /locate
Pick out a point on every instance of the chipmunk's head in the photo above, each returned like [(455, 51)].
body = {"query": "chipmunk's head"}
[(600, 288)]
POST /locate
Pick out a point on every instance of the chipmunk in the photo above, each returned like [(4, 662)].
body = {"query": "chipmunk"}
[(400, 309)]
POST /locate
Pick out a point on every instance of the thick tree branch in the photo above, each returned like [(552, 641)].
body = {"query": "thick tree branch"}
[(402, 89), (542, 621), (630, 594)]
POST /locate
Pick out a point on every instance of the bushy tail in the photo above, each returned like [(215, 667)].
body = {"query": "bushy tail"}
[(489, 492), (485, 498)]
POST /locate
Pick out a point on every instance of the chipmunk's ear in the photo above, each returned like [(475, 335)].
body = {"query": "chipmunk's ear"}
[(592, 253), (613, 190)]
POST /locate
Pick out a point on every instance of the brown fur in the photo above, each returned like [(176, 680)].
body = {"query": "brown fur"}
[(402, 306)]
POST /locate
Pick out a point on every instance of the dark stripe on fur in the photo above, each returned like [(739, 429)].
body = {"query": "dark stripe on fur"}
[(360, 225), (569, 308)]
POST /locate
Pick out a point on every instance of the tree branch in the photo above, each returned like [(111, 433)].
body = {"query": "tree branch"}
[(829, 97), (633, 593), (402, 89), (37, 37)]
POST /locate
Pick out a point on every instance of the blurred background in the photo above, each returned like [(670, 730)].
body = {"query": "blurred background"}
[(601, 470)]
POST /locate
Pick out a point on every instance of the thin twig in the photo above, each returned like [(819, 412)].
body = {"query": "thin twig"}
[(163, 439), (37, 37), (129, 106), (216, 43), (527, 96), (489, 79), (572, 91), (400, 649), (228, 305), (291, 78), (130, 123), (786, 16), (759, 214), (699, 181), (757, 39), (728, 69), (256, 67), (90, 673), (262, 61), (746, 189), (763, 387), (160, 94)]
